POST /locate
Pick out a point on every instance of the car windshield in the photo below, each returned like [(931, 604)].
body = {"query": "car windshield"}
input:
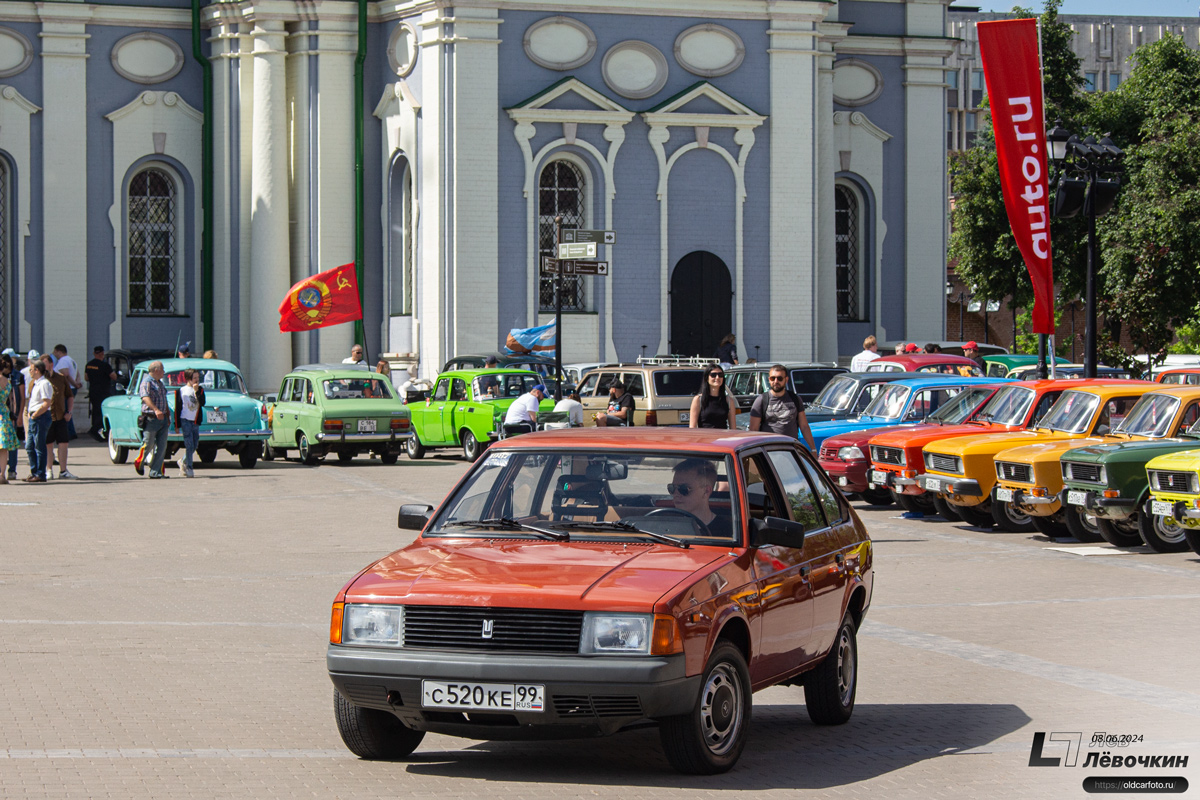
[(213, 380), (595, 495), (1072, 413), (960, 407), (356, 388), (1009, 406), (889, 403), (1152, 416), (500, 385), (838, 394)]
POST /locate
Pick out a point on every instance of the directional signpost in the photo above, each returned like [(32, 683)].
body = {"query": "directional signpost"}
[(576, 251), (553, 266), (596, 237)]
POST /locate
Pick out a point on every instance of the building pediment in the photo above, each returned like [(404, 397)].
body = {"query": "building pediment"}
[(704, 105), (570, 100)]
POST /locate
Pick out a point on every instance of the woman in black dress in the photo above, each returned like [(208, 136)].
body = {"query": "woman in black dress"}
[(713, 407)]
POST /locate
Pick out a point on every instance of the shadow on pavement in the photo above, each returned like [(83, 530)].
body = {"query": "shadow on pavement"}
[(785, 750)]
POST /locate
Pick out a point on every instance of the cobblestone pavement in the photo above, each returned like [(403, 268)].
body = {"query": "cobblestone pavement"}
[(167, 639)]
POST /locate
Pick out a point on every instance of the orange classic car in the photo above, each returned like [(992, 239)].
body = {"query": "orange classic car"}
[(583, 581)]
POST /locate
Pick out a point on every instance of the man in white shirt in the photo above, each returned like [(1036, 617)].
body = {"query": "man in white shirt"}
[(356, 355), (37, 422), (869, 353), (524, 410), (573, 407)]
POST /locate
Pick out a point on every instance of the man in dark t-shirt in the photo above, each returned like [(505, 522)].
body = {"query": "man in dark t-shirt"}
[(100, 376), (620, 407), (780, 410)]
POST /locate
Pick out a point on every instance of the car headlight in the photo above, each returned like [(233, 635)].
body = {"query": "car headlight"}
[(849, 453), (373, 625), (615, 634)]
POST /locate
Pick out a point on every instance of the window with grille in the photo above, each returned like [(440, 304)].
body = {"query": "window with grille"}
[(5, 261), (847, 253), (561, 191), (151, 243)]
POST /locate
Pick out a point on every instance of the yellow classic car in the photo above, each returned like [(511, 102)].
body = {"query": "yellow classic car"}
[(962, 470), (1175, 491), (1030, 478)]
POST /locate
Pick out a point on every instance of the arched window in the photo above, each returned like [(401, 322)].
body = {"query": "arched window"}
[(401, 239), (152, 242), (561, 190), (848, 253), (6, 333)]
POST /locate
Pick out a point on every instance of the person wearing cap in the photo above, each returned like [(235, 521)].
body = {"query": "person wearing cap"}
[(911, 348), (524, 410), (185, 350), (620, 407), (100, 378), (971, 351)]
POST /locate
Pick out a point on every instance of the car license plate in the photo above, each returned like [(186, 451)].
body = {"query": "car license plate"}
[(1076, 498), (933, 485), (215, 416), (879, 477), (1162, 508), (366, 426), (484, 696), (1004, 495), (685, 416), (842, 481)]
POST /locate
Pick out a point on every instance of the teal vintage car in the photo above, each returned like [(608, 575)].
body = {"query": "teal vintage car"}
[(232, 419), (467, 408), (326, 409)]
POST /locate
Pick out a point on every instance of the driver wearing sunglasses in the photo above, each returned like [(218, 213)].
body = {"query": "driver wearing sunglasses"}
[(695, 479)]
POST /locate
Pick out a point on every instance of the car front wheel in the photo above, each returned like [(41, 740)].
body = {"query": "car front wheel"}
[(829, 689), (472, 449), (710, 738), (373, 734), (1009, 517), (116, 453), (1162, 534), (1084, 526)]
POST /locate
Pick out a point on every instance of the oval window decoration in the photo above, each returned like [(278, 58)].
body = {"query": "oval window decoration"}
[(16, 52), (709, 50), (559, 43), (147, 58), (856, 82), (634, 69), (402, 49)]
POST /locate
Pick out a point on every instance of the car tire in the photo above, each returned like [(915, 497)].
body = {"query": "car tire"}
[(389, 458), (116, 453), (973, 516), (1010, 518), (877, 497), (915, 503), (1083, 529), (305, 450), (1050, 526), (1161, 534), (472, 448), (346, 456), (1193, 539), (373, 734), (710, 738), (208, 454), (248, 455), (414, 448), (829, 690), (268, 454), (1118, 534), (948, 512)]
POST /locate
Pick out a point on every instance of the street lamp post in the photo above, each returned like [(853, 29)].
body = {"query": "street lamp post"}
[(1089, 178)]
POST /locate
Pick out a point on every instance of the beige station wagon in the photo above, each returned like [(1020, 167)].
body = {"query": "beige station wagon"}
[(662, 388)]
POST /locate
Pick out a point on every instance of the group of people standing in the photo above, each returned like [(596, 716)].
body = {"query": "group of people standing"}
[(37, 401), (778, 410)]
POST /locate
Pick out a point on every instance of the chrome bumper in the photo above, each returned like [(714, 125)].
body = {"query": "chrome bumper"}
[(936, 483), (356, 438)]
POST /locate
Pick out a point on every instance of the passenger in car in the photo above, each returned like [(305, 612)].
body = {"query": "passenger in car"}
[(694, 481)]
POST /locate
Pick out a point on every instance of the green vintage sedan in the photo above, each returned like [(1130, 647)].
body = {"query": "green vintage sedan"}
[(467, 407), (337, 410)]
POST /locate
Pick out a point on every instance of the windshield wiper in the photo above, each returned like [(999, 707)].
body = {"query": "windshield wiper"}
[(510, 524), (627, 526)]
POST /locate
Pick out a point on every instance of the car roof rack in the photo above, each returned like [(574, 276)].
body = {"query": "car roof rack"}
[(674, 361)]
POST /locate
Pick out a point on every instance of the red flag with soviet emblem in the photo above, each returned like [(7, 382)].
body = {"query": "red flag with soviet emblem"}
[(1013, 70), (327, 298)]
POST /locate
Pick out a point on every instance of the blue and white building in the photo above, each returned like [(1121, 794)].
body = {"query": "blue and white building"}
[(772, 168)]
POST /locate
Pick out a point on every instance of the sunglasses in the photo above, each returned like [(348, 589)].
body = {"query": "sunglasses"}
[(682, 489), (716, 374), (777, 378)]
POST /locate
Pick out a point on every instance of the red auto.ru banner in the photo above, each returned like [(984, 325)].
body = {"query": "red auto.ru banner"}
[(1012, 68)]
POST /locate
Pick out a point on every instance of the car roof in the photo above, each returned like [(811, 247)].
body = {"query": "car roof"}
[(925, 359), (360, 366), (788, 365), (642, 438), (1177, 370), (1109, 387), (927, 381), (1019, 359), (1184, 390), (877, 377), (475, 373), (176, 364), (336, 373)]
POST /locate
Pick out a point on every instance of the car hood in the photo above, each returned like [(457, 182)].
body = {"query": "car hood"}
[(1133, 451), (1185, 460), (862, 435), (823, 430), (991, 443), (921, 435), (523, 574), (1046, 451)]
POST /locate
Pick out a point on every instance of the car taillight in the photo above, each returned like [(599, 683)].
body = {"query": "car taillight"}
[(333, 425), (399, 424), (651, 417)]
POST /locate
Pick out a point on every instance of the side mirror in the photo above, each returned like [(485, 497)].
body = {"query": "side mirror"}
[(414, 516), (776, 530)]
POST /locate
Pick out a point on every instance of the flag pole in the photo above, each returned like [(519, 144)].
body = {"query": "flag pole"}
[(1041, 336), (558, 337)]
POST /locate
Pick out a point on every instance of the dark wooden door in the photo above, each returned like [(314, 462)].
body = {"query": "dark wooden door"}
[(701, 304)]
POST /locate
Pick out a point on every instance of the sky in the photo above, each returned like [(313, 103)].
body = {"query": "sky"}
[(1157, 8)]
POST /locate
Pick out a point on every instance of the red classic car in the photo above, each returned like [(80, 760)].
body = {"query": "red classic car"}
[(927, 362), (1178, 375), (578, 582)]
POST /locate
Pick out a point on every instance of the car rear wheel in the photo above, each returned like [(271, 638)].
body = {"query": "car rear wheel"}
[(877, 497), (248, 455), (1118, 534), (389, 458), (829, 689), (1193, 539), (947, 511), (472, 449), (710, 738), (1009, 517), (373, 734), (414, 448), (975, 516), (307, 456), (208, 453), (268, 454), (346, 456), (1083, 526), (116, 453), (1161, 534)]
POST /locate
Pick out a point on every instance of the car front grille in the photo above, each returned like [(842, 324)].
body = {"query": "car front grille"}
[(1084, 473), (1018, 473), (888, 455), (828, 453), (493, 630), (1173, 481), (582, 705), (941, 463)]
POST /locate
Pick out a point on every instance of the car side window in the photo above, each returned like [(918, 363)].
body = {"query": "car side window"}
[(296, 391), (135, 383), (758, 488), (1190, 414), (459, 392), (635, 384), (589, 385), (866, 396), (604, 382), (740, 382), (801, 499), (443, 389), (827, 495), (310, 396), (285, 390)]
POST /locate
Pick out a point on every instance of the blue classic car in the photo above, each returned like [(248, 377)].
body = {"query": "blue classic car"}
[(232, 419), (909, 400)]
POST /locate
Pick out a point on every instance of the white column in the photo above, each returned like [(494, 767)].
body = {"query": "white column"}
[(301, 177), (268, 353), (223, 55), (431, 260), (64, 177), (826, 293)]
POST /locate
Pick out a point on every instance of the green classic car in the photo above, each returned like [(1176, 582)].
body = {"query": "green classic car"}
[(337, 410), (467, 407), (1000, 364)]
